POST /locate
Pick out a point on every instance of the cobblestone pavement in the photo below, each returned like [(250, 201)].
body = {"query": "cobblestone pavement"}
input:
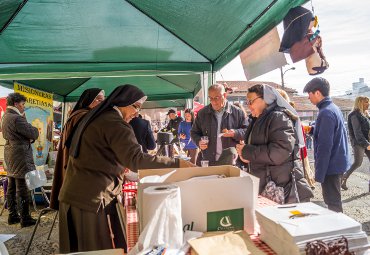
[(356, 200)]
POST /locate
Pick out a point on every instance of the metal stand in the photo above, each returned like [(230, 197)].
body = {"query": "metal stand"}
[(3, 207), (165, 150), (4, 183), (42, 212), (43, 193)]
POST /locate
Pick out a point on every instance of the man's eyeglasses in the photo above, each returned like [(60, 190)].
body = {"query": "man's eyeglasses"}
[(137, 108), (250, 102), (214, 98)]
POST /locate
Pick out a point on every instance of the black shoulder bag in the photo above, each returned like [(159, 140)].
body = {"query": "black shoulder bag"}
[(290, 189)]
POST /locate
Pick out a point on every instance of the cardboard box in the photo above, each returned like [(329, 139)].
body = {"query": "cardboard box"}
[(100, 252), (215, 204), (236, 242)]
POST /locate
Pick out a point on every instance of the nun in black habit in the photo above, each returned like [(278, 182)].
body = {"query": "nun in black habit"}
[(103, 145), (89, 99)]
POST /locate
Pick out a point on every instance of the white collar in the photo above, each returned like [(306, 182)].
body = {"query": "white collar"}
[(119, 112), (15, 109)]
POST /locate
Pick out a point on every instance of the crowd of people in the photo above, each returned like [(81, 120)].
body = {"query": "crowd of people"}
[(104, 136)]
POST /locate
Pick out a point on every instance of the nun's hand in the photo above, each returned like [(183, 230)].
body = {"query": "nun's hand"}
[(243, 159), (184, 163), (239, 148)]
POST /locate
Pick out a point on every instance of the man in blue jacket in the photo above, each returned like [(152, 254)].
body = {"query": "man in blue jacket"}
[(330, 143)]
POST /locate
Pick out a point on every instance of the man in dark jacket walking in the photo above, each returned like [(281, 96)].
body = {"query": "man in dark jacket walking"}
[(143, 133), (223, 123), (19, 135), (330, 143)]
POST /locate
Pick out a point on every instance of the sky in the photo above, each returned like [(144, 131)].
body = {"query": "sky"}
[(344, 27)]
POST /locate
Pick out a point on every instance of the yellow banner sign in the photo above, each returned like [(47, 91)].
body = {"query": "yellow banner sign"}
[(35, 97)]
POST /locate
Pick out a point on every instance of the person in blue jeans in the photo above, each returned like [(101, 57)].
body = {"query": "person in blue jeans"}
[(309, 142), (331, 150), (184, 134)]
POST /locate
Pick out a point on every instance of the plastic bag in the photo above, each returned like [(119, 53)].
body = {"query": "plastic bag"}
[(35, 179)]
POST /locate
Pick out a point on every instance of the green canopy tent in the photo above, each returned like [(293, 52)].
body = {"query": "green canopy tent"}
[(170, 49)]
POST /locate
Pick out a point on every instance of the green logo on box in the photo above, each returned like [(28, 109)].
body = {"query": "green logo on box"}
[(228, 220)]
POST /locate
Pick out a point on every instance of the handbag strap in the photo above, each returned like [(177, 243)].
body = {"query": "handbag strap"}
[(293, 157), (294, 181), (268, 175), (296, 19)]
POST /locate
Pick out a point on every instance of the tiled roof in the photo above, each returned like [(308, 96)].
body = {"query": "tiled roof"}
[(242, 86), (303, 103), (344, 103)]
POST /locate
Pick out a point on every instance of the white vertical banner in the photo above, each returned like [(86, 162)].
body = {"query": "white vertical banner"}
[(263, 56)]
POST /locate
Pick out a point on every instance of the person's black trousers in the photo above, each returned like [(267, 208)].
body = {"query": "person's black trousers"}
[(358, 154), (331, 192), (17, 188)]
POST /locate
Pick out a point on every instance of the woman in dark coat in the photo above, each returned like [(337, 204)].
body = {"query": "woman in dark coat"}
[(272, 139), (87, 101), (359, 132), (103, 145), (18, 134)]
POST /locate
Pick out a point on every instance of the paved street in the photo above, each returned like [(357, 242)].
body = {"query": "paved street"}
[(356, 200)]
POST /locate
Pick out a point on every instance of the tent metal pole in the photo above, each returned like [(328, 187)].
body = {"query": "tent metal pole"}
[(205, 84), (213, 77), (63, 112), (189, 103), (208, 79)]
